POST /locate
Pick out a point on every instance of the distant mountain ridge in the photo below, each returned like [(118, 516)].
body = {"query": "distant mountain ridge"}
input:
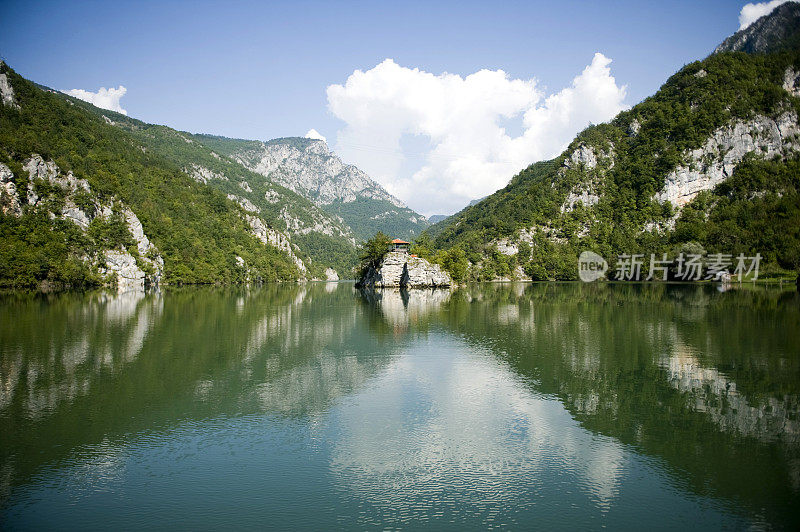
[(311, 169)]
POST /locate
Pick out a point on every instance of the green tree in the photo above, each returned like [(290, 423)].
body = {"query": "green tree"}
[(371, 252)]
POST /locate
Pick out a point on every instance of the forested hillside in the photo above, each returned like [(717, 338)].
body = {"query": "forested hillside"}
[(313, 233), (709, 162), (77, 192)]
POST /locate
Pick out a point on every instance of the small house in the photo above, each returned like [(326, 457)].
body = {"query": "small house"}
[(400, 245)]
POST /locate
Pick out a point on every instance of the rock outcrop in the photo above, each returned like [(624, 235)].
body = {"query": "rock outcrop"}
[(6, 90), (716, 160), (585, 196), (122, 265), (594, 163), (275, 238), (9, 199), (130, 270), (398, 269), (419, 273), (201, 174)]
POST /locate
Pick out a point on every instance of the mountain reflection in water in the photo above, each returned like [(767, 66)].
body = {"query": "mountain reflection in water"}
[(557, 405)]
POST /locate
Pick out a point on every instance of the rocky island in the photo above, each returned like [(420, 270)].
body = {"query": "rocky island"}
[(399, 269)]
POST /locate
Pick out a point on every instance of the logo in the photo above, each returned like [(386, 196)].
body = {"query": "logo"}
[(591, 266)]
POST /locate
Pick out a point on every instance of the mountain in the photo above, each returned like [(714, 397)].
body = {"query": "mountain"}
[(309, 168), (321, 240), (83, 203), (710, 162), (772, 33), (436, 218)]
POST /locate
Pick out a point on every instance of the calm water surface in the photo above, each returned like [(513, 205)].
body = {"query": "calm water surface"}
[(532, 405)]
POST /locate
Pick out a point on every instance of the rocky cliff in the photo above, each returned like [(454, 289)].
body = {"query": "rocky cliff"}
[(398, 269)]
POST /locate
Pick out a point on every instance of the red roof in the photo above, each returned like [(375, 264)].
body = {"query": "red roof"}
[(398, 241)]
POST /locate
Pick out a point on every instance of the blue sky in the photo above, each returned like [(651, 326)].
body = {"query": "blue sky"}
[(261, 69)]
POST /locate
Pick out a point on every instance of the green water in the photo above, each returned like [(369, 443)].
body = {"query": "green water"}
[(548, 406)]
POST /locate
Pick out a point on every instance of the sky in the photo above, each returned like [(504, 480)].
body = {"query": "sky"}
[(440, 102)]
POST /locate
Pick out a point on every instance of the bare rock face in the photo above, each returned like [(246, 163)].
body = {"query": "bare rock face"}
[(585, 196), (75, 214), (274, 238), (584, 155), (201, 174), (6, 90), (588, 158), (116, 264), (716, 160), (419, 273), (791, 81), (9, 199), (507, 247), (398, 269), (308, 167), (331, 275), (246, 204), (147, 251), (123, 265)]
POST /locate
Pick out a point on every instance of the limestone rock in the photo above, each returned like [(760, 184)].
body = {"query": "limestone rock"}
[(146, 249), (584, 155), (507, 247), (74, 213), (123, 265), (770, 33), (331, 275), (583, 195), (791, 81), (38, 168), (716, 160), (419, 273), (308, 167), (399, 269), (6, 90), (201, 174), (9, 199), (274, 238), (246, 204)]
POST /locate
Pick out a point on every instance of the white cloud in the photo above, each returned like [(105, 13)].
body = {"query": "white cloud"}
[(752, 12), (104, 98), (314, 134), (470, 153)]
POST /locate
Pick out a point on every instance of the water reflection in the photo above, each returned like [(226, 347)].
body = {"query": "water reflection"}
[(447, 422), (519, 404), (708, 382)]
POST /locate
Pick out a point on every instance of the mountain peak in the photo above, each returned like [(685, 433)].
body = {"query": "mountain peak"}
[(774, 32)]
